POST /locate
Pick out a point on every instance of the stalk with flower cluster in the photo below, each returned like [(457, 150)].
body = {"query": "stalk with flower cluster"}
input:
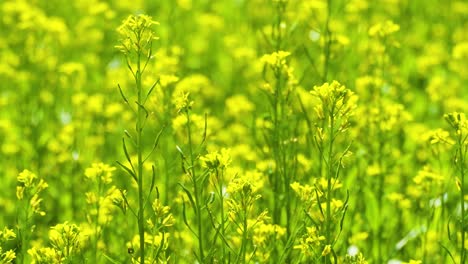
[(184, 104), (281, 140), (217, 163), (334, 110), (382, 35), (136, 44), (28, 190), (459, 124)]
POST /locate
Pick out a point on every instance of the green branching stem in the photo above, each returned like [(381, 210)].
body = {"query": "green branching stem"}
[(462, 156), (327, 37), (330, 176), (195, 187), (139, 149)]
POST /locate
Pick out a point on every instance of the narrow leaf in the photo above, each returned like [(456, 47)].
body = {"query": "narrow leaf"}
[(128, 171), (110, 259), (156, 143), (151, 89), (189, 195), (318, 202), (144, 109), (127, 155), (448, 252), (184, 217), (122, 94)]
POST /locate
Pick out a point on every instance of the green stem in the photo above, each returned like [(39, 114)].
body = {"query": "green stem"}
[(380, 161), (244, 235), (327, 43), (462, 197), (195, 188), (220, 185), (328, 220), (96, 219), (139, 149)]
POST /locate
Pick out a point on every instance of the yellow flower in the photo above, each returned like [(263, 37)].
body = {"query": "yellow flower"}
[(458, 121), (336, 101), (45, 255), (384, 29), (326, 250), (276, 58), (182, 102), (26, 178), (8, 256), (413, 262), (100, 172), (7, 234), (136, 34), (214, 160), (305, 192), (439, 136), (29, 188), (67, 238)]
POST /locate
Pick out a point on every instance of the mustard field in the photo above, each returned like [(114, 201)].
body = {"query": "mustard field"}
[(234, 131)]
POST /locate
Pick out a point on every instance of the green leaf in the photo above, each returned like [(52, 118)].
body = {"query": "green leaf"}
[(128, 171), (372, 210)]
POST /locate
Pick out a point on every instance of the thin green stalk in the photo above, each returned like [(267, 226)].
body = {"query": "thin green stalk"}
[(276, 146), (221, 197), (139, 149), (195, 187), (243, 249), (380, 161), (277, 108), (96, 219), (328, 220), (462, 154), (327, 43), (24, 232), (380, 193)]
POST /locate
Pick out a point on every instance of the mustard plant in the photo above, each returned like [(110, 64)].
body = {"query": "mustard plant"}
[(100, 202), (197, 180), (385, 117), (459, 125), (243, 194), (28, 190), (136, 44), (281, 137), (67, 243), (6, 256), (217, 164), (334, 111)]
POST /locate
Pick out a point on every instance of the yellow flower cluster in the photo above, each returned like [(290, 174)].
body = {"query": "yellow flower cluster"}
[(29, 187), (217, 159), (100, 172), (310, 242), (136, 34), (8, 256), (66, 241), (458, 122), (336, 102), (384, 29)]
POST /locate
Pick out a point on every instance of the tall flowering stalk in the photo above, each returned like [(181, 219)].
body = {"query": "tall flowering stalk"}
[(384, 39), (136, 44), (459, 124), (335, 108), (217, 163), (28, 190), (184, 105), (282, 137)]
